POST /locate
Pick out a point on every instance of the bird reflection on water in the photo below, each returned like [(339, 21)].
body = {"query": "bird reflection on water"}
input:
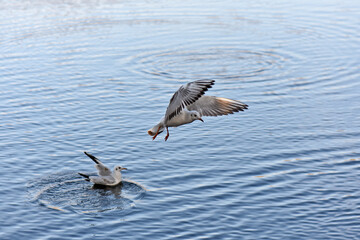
[(104, 190)]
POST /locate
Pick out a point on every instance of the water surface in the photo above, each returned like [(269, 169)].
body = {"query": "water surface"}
[(95, 75)]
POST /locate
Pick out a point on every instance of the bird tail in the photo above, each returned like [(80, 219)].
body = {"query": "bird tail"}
[(87, 177), (152, 131)]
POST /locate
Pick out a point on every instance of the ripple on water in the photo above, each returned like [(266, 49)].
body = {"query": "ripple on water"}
[(67, 192), (209, 61)]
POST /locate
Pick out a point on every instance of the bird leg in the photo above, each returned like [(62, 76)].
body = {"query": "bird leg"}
[(167, 135), (156, 133)]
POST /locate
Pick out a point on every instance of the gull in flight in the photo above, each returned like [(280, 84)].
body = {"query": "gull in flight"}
[(106, 177), (189, 104)]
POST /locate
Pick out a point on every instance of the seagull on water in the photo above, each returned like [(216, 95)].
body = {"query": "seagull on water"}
[(189, 104), (106, 177)]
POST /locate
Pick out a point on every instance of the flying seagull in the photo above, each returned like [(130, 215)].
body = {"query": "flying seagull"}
[(106, 177), (189, 104)]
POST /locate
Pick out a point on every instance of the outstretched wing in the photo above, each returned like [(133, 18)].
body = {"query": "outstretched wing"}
[(216, 106), (102, 169), (185, 96)]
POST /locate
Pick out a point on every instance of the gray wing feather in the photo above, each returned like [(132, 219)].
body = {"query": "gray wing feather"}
[(103, 170), (216, 106), (186, 95), (102, 180)]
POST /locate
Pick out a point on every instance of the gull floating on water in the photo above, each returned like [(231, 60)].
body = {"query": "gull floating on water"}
[(106, 177), (188, 104)]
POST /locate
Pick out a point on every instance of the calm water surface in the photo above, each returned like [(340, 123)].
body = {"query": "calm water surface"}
[(95, 75)]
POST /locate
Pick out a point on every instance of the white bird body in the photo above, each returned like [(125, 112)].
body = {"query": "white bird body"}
[(112, 180), (188, 104), (105, 175), (183, 117)]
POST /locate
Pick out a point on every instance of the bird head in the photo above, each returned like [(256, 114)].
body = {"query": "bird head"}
[(119, 169), (195, 116)]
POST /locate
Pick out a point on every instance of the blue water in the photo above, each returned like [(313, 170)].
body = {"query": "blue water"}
[(96, 75)]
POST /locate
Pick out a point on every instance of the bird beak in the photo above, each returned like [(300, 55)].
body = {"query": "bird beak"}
[(123, 168), (201, 119)]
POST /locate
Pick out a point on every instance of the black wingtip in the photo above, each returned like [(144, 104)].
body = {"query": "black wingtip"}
[(92, 157), (87, 178)]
